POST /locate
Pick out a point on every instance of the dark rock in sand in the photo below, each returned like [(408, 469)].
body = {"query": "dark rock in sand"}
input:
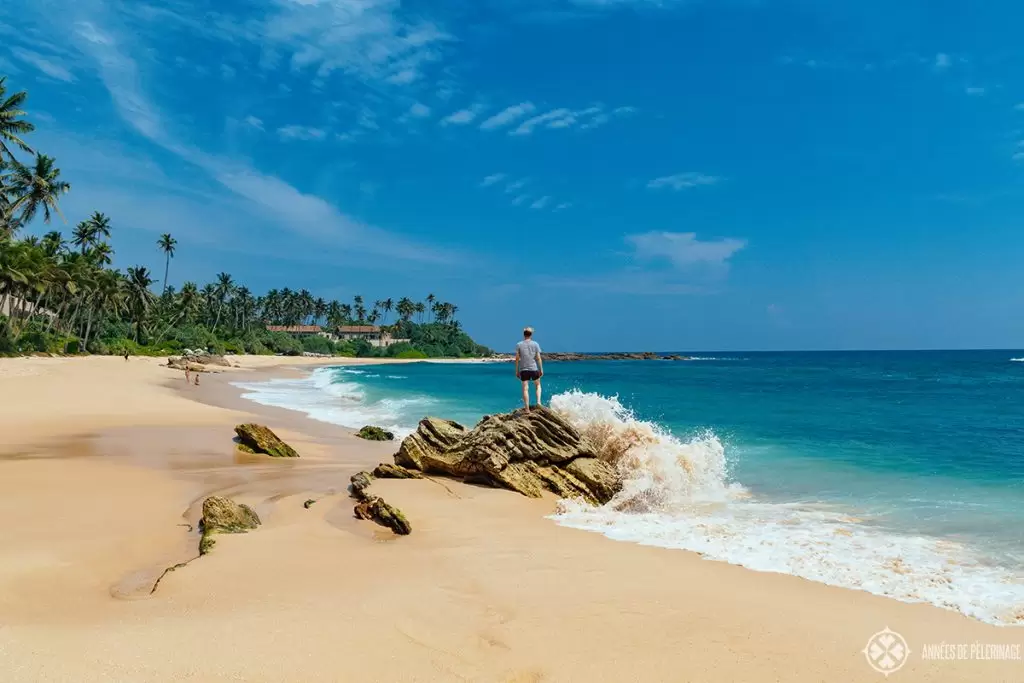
[(308, 502), (359, 483), (386, 470), (224, 516), (211, 359), (376, 509), (371, 433), (525, 451), (185, 364), (261, 439)]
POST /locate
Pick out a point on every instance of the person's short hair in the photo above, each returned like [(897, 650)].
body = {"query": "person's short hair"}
[(527, 331)]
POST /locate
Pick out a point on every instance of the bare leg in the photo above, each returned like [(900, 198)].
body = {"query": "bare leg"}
[(537, 383), (526, 395)]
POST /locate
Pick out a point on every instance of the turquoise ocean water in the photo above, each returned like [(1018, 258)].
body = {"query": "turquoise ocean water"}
[(899, 473)]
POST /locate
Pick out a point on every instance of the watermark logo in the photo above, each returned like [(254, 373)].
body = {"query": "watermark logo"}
[(886, 652)]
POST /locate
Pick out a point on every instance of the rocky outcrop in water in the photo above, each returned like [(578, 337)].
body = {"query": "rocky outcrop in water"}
[(254, 438), (224, 516), (371, 433), (375, 508), (525, 451)]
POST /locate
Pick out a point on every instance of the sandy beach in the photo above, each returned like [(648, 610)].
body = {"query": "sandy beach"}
[(104, 465)]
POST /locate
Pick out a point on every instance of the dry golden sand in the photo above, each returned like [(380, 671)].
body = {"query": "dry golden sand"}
[(104, 466)]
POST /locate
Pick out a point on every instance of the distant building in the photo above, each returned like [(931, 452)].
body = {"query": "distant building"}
[(300, 330), (371, 333)]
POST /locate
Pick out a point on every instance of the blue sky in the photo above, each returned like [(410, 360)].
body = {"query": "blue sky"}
[(621, 174)]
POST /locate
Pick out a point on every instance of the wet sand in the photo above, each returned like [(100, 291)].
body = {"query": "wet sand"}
[(100, 490)]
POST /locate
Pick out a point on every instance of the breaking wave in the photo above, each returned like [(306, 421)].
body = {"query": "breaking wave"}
[(678, 493)]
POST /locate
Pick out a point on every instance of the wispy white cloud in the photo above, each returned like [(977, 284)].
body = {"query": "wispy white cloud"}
[(305, 133), (521, 199), (48, 65), (369, 39), (1020, 107), (562, 118), (975, 91), (492, 179), (527, 126), (419, 110), (292, 210), (515, 186), (683, 249), (942, 61), (508, 115), (563, 206), (254, 122), (463, 116), (682, 181), (541, 203), (1019, 156)]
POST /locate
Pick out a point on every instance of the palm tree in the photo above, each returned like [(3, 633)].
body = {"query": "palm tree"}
[(39, 187), (224, 287), (100, 226), (12, 126), (139, 296), (167, 245), (82, 236), (430, 302), (387, 306)]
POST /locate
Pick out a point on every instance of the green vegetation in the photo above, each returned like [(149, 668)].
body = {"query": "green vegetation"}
[(62, 296)]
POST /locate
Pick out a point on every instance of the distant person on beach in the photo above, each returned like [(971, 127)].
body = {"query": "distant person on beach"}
[(126, 355), (197, 379), (529, 365), (186, 375)]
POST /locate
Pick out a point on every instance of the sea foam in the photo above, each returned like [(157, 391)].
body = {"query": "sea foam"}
[(677, 493), (326, 396)]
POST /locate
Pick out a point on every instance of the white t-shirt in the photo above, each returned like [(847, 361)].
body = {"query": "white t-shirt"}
[(528, 351)]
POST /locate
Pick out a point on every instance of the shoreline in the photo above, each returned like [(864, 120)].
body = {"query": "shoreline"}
[(436, 605)]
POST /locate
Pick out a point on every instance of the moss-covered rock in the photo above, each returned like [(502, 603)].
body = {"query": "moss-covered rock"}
[(525, 451), (262, 440), (386, 470), (245, 448), (224, 516), (433, 435), (376, 509), (371, 433), (359, 483)]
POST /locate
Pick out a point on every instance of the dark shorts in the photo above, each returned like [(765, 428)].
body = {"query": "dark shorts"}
[(529, 375)]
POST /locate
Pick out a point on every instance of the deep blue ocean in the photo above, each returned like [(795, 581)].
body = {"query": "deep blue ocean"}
[(901, 473)]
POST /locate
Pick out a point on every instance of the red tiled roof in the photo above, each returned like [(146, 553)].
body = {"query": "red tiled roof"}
[(294, 328), (366, 329)]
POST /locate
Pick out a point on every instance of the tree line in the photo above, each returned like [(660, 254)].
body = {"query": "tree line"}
[(60, 294)]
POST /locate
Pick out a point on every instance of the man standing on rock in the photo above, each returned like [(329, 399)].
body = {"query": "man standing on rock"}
[(529, 365)]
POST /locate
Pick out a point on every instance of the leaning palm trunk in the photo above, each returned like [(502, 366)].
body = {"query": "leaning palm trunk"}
[(167, 329)]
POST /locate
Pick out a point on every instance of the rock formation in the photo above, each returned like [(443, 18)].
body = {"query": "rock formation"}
[(386, 470), (196, 362), (374, 507), (433, 435), (385, 514), (254, 438), (525, 451), (224, 516), (371, 433)]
